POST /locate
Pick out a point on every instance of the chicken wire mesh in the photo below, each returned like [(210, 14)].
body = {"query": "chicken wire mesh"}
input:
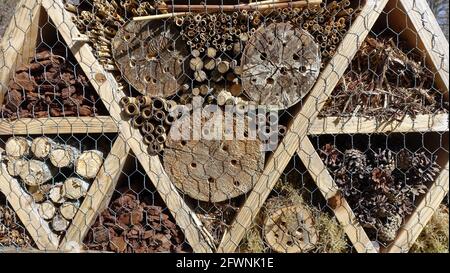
[(205, 126)]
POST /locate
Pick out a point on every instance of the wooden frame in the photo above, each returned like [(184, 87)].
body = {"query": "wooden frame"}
[(295, 142)]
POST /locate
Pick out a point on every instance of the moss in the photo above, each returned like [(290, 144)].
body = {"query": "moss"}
[(434, 237)]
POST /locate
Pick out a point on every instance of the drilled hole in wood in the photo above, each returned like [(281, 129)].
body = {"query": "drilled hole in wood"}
[(270, 80), (237, 183), (263, 56), (211, 180), (296, 57), (254, 80), (194, 165), (302, 69), (233, 162), (283, 70), (183, 143), (225, 148), (289, 243)]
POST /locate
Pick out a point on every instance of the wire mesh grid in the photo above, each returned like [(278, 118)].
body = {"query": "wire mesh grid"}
[(205, 126)]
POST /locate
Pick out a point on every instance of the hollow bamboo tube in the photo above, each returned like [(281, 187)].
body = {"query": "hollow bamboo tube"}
[(131, 109), (252, 6), (159, 16)]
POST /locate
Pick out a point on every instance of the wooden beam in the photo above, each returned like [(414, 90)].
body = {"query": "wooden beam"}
[(422, 215), (361, 125), (431, 38), (24, 206), (110, 94), (328, 188), (98, 196), (15, 38), (59, 125), (298, 128)]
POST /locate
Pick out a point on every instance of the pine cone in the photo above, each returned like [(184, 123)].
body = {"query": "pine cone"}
[(331, 157), (355, 162), (424, 169), (385, 159), (388, 231)]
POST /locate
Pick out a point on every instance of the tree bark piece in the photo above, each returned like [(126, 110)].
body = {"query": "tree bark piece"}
[(151, 57), (42, 146), (47, 210), (64, 156), (75, 188), (15, 166), (17, 147), (35, 173), (89, 163), (68, 210), (59, 224), (280, 65), (290, 230), (56, 194), (213, 170)]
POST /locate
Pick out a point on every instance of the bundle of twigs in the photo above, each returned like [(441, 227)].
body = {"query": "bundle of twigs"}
[(385, 82)]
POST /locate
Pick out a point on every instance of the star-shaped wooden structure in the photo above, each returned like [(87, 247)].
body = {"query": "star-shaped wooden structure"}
[(412, 20)]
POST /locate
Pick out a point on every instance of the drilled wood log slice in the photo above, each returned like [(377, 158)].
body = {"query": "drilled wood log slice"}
[(17, 147), (47, 210), (75, 188), (68, 210), (89, 163), (213, 170), (280, 64), (64, 156), (42, 146), (59, 224), (290, 230), (35, 173), (152, 57)]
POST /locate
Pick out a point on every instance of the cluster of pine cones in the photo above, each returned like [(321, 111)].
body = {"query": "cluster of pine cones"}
[(381, 187)]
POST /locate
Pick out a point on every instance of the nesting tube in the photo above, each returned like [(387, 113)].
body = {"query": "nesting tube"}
[(159, 104), (170, 105), (161, 139), (149, 139), (147, 113), (145, 101), (170, 119), (155, 148), (137, 121), (147, 128), (159, 116), (159, 130), (131, 109)]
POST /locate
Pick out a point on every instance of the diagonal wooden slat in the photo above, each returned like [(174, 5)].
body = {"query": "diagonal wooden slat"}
[(110, 94), (325, 183), (422, 214), (15, 39), (98, 196), (297, 130), (22, 203), (59, 125)]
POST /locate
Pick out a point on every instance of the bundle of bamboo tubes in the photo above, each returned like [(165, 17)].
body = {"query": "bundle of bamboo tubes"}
[(153, 117)]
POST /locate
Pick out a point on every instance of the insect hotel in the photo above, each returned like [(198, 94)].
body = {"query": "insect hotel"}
[(355, 131)]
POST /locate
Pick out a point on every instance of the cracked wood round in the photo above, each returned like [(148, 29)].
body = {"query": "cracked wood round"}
[(280, 65), (213, 170), (290, 230), (151, 57)]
